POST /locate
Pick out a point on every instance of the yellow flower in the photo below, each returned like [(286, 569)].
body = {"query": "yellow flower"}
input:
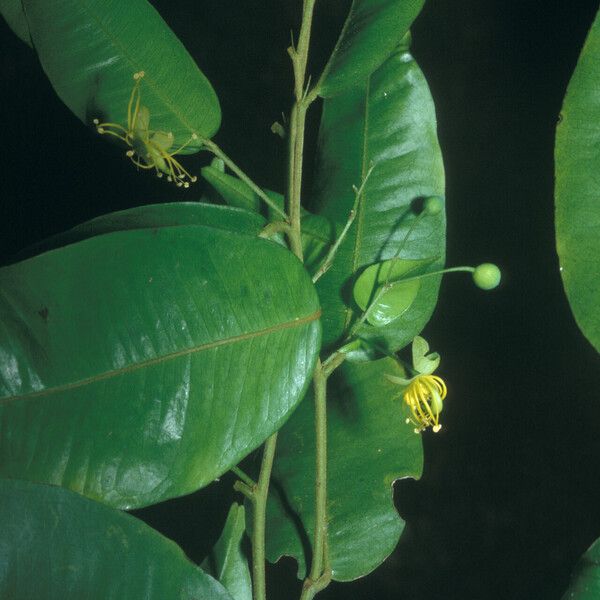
[(424, 393), (424, 396), (148, 149)]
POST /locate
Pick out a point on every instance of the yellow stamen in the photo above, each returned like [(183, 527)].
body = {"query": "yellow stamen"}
[(146, 150), (424, 396), (134, 100)]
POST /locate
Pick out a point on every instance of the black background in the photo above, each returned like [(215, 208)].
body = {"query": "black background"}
[(510, 497)]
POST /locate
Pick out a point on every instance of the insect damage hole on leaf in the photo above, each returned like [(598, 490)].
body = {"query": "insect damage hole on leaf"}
[(148, 148)]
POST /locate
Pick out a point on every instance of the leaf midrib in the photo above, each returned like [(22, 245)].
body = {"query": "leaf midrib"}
[(362, 201), (147, 78), (297, 322)]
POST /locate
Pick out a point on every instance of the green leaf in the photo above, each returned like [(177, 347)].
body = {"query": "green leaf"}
[(384, 306), (102, 44), (318, 233), (152, 216), (227, 562), (577, 160), (371, 31), (389, 124), (12, 11), (233, 190), (585, 581), (369, 447), (236, 192), (172, 214), (140, 365), (57, 545)]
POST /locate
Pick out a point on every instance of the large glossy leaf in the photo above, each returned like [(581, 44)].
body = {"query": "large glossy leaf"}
[(371, 30), (369, 447), (227, 561), (57, 545), (152, 216), (12, 11), (389, 124), (90, 50), (577, 157), (585, 582), (140, 365)]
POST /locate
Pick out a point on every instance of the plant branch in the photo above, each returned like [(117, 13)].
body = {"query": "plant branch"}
[(258, 498), (216, 150), (243, 476), (303, 99), (244, 488), (274, 228), (299, 53), (333, 362), (320, 572)]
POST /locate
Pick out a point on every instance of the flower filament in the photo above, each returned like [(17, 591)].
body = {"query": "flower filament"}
[(148, 148), (424, 396)]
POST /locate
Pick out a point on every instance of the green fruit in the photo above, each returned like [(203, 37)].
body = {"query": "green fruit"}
[(486, 276)]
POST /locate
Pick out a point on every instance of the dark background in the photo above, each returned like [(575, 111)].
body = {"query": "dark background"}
[(510, 497)]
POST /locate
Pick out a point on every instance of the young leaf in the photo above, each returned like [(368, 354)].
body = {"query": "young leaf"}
[(152, 216), (384, 306), (233, 190), (12, 11), (140, 365), (226, 562), (388, 124), (57, 545), (371, 30), (585, 581), (369, 447), (102, 44), (577, 159)]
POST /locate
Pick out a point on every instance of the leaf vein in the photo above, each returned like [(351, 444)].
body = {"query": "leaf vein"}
[(299, 321)]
